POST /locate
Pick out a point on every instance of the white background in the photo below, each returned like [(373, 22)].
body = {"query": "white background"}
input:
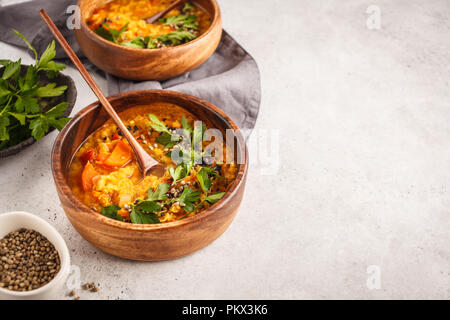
[(363, 117)]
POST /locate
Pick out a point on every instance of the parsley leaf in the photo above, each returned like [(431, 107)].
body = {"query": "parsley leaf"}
[(214, 197), (186, 21), (138, 217), (167, 140), (39, 127), (144, 213), (160, 193), (185, 124), (17, 33), (110, 34), (157, 124), (22, 98), (203, 179), (48, 55), (112, 212), (177, 37), (50, 91), (188, 198), (177, 173), (11, 70)]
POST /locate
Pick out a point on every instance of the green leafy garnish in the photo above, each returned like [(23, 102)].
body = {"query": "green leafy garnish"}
[(160, 193), (203, 179), (112, 212), (185, 124), (188, 198), (144, 213), (167, 140), (177, 173), (110, 34), (177, 37), (50, 91), (22, 98), (157, 124), (188, 7), (185, 21), (214, 197)]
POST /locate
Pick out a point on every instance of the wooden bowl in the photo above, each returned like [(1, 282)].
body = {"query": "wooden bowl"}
[(148, 64), (70, 96), (146, 242)]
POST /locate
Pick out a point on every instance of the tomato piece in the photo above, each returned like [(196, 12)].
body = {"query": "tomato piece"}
[(116, 136), (87, 177), (88, 156), (121, 154)]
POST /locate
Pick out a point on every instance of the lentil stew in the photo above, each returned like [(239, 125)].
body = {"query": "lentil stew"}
[(123, 22), (104, 173)]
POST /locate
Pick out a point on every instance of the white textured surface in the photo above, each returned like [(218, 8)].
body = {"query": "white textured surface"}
[(364, 177)]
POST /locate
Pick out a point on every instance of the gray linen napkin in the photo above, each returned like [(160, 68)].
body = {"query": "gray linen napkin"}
[(229, 79)]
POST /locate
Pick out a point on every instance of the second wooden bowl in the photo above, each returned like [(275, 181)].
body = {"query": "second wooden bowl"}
[(148, 64), (146, 242)]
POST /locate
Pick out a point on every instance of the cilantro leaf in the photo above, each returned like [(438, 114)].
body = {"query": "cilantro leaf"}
[(112, 212), (160, 193), (214, 197), (50, 90)]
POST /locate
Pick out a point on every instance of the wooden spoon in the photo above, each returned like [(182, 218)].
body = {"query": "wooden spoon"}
[(145, 161), (161, 14)]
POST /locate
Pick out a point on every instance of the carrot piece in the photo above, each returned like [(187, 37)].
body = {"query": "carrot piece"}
[(102, 157), (87, 177), (120, 155)]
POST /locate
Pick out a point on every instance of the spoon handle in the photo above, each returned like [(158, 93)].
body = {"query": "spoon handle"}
[(161, 14), (144, 160)]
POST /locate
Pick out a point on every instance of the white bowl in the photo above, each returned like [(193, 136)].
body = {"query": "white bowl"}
[(14, 221)]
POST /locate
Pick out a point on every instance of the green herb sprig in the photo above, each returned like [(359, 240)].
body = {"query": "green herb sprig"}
[(21, 97)]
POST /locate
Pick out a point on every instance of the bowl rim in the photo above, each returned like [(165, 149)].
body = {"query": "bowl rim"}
[(65, 191), (64, 256), (215, 21)]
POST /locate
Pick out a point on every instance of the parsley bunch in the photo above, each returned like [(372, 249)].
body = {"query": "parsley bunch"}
[(23, 98)]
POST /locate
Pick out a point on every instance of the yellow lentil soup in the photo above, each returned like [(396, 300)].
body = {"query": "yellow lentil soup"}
[(105, 176), (123, 22)]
